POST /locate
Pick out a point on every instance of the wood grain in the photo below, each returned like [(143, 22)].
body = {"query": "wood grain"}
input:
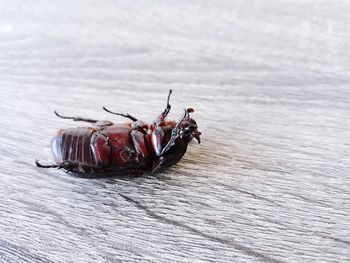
[(269, 82)]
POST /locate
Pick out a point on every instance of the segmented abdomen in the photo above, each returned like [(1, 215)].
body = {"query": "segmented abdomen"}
[(73, 145)]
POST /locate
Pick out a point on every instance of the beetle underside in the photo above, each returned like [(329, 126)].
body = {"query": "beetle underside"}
[(134, 148)]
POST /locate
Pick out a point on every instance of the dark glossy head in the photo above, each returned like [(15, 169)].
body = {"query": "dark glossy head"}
[(189, 130), (185, 130)]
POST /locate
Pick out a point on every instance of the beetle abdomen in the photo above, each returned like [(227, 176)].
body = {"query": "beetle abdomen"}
[(73, 146)]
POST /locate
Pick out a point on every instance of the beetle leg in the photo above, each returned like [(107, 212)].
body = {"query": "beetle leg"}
[(168, 106), (127, 115), (156, 140), (169, 159), (75, 118), (160, 119), (46, 166), (65, 165)]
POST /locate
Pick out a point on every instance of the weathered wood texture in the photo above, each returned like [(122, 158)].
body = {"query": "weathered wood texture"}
[(270, 84)]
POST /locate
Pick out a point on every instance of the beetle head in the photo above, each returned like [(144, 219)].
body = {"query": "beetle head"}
[(187, 127), (189, 130), (184, 132)]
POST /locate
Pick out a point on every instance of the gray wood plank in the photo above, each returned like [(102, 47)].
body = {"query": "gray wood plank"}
[(269, 81)]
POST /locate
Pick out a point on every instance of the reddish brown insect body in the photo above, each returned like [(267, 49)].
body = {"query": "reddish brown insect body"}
[(108, 148)]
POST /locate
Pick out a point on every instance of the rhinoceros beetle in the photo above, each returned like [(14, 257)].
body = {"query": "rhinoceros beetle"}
[(133, 147)]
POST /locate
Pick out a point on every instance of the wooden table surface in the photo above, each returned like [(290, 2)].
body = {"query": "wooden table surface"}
[(270, 84)]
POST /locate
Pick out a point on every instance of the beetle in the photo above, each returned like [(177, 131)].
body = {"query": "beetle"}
[(128, 148)]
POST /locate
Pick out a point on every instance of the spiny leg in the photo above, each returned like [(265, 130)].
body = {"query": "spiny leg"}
[(127, 115), (46, 166), (75, 118), (168, 106), (66, 166)]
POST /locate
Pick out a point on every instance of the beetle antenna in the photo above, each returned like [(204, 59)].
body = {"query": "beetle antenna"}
[(121, 114)]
